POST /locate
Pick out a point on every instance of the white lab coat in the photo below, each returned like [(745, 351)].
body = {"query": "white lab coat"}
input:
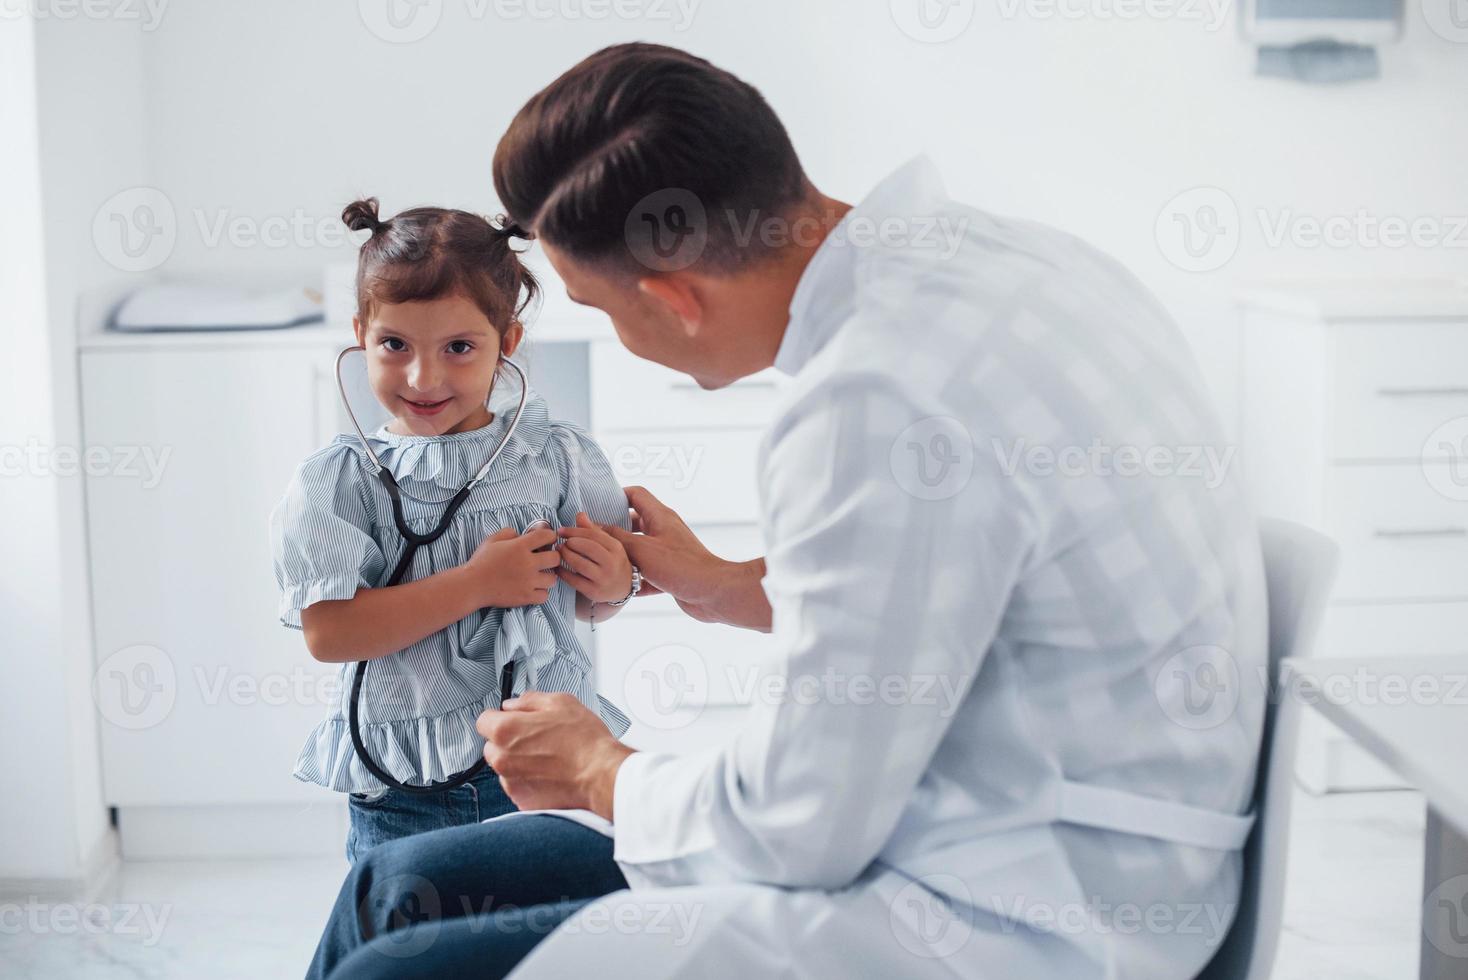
[(1007, 553)]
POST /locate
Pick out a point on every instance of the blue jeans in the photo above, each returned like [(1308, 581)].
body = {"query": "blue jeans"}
[(468, 901), (395, 814)]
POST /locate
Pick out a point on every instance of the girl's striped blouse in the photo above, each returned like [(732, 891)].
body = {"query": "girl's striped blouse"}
[(333, 534)]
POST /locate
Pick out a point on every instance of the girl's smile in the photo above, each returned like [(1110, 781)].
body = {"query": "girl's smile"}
[(426, 408), (431, 363)]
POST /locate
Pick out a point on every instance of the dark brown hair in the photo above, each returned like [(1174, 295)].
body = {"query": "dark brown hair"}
[(636, 120), (430, 253)]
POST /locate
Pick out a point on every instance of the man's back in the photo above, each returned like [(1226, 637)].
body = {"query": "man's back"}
[(1098, 606)]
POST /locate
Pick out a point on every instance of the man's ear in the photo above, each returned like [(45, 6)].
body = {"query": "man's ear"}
[(510, 342), (676, 295), (359, 331)]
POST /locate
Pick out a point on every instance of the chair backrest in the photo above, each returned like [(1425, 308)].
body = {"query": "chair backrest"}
[(1299, 569)]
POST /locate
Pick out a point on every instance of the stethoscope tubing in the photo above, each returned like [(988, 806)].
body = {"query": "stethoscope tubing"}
[(413, 541)]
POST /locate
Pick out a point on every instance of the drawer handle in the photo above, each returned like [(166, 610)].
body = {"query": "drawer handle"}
[(1425, 532), (1421, 392)]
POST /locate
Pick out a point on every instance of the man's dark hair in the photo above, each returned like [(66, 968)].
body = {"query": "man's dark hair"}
[(640, 146)]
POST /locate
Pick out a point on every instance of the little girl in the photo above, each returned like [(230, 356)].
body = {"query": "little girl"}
[(439, 296)]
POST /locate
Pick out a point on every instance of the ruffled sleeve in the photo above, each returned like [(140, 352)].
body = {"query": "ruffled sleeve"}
[(587, 481), (321, 534)]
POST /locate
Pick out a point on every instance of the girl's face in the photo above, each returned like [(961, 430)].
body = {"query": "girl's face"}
[(431, 363)]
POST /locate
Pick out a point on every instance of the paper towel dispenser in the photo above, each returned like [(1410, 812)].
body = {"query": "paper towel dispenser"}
[(1278, 22)]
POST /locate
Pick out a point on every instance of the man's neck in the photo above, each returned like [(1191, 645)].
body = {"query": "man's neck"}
[(810, 226)]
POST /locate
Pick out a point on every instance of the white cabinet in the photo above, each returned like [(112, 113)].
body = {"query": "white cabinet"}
[(1355, 408), (683, 683), (205, 698)]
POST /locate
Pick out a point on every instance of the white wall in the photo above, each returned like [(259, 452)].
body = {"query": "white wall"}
[(1090, 124), (285, 111), (281, 111), (72, 91), (89, 88), (39, 825)]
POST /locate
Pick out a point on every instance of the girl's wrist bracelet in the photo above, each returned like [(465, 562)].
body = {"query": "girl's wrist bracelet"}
[(636, 587)]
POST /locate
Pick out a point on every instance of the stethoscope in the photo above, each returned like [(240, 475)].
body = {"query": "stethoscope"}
[(414, 542)]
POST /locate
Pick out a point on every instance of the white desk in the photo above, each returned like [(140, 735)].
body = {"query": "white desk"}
[(1412, 714)]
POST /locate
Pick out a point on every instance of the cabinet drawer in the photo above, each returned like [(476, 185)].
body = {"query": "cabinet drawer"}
[(654, 665), (706, 475), (1399, 537), (1396, 384), (1394, 629), (732, 542), (707, 728), (628, 392)]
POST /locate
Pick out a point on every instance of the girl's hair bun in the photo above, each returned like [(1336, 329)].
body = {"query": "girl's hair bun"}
[(362, 215), (506, 230)]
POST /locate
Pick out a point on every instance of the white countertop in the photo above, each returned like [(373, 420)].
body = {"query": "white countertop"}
[(1361, 299), (1423, 736), (558, 322)]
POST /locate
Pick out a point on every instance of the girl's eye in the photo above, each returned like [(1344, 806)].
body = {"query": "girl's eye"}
[(394, 344), (460, 347)]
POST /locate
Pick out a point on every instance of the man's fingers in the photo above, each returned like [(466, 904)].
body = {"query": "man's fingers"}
[(620, 534), (646, 505)]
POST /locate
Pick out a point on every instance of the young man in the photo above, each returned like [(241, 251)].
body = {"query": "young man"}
[(1014, 622)]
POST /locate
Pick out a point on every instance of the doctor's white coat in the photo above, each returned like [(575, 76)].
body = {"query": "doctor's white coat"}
[(1019, 614)]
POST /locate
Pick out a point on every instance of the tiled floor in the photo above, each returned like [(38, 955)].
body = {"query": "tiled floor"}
[(1352, 908)]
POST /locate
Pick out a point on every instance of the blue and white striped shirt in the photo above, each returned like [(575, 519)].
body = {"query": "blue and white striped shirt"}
[(333, 533)]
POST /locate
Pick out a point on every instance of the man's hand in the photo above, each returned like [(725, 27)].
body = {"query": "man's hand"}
[(669, 555), (673, 560), (551, 752)]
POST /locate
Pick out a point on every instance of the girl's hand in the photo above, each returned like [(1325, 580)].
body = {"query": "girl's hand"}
[(510, 569), (593, 562)]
